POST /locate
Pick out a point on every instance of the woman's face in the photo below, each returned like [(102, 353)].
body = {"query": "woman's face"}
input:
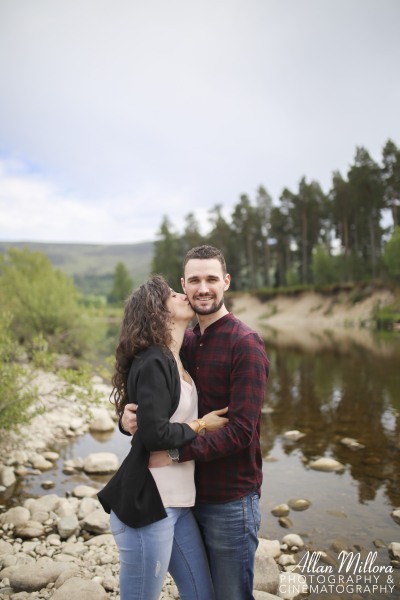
[(179, 307)]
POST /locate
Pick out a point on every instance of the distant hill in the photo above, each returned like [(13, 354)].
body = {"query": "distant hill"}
[(92, 265)]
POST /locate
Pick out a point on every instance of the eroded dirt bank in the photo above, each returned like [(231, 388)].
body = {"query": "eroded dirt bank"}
[(313, 321)]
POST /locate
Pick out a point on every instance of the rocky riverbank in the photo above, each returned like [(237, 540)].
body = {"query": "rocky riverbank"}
[(61, 547)]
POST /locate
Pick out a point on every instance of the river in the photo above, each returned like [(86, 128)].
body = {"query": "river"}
[(328, 396)]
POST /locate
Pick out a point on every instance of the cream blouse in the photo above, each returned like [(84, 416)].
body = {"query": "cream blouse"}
[(175, 482)]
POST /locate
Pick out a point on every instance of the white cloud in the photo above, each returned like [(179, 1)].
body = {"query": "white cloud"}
[(131, 110), (33, 209)]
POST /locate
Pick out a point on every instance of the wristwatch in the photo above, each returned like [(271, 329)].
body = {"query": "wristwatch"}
[(173, 454), (202, 427)]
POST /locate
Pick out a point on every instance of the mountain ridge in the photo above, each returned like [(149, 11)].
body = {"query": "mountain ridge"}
[(78, 260)]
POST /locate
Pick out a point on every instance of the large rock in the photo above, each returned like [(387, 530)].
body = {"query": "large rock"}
[(280, 510), (5, 548), (102, 421), (286, 560), (293, 541), (68, 526), (86, 506), (7, 476), (40, 515), (105, 539), (101, 462), (326, 464), (292, 586), (299, 504), (395, 514), (394, 550), (38, 461), (48, 503), (84, 491), (96, 522), (66, 507), (29, 530), (35, 577), (17, 515), (268, 548), (266, 573), (80, 588)]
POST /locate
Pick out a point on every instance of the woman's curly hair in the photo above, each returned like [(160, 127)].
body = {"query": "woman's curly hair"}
[(145, 323)]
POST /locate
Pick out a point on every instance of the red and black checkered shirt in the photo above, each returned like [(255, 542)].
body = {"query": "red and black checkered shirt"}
[(229, 366)]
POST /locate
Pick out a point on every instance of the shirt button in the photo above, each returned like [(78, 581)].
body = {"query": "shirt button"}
[(201, 344)]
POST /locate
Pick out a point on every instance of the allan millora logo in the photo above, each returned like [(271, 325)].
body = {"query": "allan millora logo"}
[(353, 575)]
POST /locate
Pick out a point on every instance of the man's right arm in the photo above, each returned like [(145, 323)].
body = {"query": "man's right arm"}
[(248, 377)]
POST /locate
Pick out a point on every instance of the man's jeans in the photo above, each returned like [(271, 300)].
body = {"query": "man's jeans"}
[(173, 544), (230, 535)]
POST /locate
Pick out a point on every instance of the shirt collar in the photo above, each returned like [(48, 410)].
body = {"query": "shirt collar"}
[(213, 326)]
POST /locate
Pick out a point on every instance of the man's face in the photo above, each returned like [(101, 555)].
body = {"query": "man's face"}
[(204, 284)]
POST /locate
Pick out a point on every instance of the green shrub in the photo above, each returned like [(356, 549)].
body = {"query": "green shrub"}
[(324, 267), (391, 255), (16, 394), (42, 301)]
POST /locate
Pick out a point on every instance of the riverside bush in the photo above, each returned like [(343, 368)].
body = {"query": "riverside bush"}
[(17, 396), (42, 301), (391, 255), (19, 399), (41, 319)]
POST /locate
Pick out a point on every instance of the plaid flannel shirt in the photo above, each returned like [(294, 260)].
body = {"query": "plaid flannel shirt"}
[(229, 366)]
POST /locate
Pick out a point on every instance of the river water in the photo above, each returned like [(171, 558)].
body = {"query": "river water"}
[(327, 395)]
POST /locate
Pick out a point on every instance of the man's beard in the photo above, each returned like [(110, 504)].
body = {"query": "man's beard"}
[(208, 311)]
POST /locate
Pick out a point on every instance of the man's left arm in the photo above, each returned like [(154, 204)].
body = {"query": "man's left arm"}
[(249, 373)]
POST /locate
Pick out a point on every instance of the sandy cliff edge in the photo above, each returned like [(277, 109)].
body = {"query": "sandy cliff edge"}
[(310, 320)]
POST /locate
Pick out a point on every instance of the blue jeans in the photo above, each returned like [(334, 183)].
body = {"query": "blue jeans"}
[(230, 535), (173, 544)]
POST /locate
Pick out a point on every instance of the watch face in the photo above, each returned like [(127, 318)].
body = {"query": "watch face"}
[(174, 454)]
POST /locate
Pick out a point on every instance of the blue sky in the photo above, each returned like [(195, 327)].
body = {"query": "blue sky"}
[(113, 114)]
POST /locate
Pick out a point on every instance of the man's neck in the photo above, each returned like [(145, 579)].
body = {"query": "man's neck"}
[(206, 320)]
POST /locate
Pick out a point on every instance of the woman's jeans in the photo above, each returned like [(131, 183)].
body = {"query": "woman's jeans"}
[(173, 544), (230, 535)]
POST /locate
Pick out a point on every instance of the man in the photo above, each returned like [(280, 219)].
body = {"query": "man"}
[(228, 363)]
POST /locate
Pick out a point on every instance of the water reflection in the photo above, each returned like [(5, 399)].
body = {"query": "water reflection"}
[(330, 397)]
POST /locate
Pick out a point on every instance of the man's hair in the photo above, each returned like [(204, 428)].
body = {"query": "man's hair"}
[(205, 252)]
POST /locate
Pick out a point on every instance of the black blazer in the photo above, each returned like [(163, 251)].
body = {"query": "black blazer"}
[(153, 384)]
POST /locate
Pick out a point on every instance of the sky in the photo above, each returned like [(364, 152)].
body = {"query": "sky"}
[(116, 113)]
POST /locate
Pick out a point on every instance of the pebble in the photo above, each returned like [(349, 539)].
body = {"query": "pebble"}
[(299, 504), (327, 464), (293, 435), (352, 443), (285, 522), (281, 510), (396, 515)]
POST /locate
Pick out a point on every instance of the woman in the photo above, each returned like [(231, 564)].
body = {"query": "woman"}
[(151, 519)]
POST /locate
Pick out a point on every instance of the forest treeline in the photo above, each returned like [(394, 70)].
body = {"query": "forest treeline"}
[(310, 237)]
